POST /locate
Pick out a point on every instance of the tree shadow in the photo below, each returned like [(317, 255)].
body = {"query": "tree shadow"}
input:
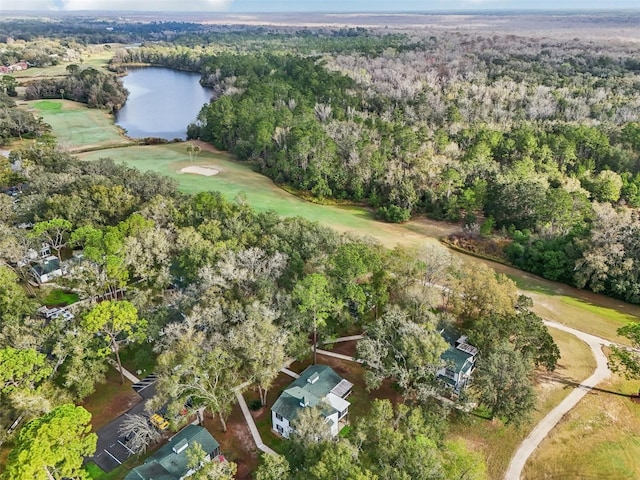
[(569, 382)]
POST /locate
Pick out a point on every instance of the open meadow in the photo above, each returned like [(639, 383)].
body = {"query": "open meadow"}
[(498, 442), (99, 58), (597, 439)]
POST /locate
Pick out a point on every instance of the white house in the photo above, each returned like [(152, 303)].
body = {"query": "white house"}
[(171, 462), (460, 361), (47, 269), (317, 384)]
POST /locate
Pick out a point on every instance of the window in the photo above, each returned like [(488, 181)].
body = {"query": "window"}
[(342, 414), (280, 429), (279, 417)]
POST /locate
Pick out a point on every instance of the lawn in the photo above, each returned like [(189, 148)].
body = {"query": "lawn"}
[(58, 298), (498, 442), (597, 439), (76, 126), (110, 400), (600, 320), (237, 178)]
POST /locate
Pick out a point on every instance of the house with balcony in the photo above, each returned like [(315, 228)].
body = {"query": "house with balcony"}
[(459, 360), (171, 461), (318, 385)]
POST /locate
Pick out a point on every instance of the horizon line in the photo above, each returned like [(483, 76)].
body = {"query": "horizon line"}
[(351, 12)]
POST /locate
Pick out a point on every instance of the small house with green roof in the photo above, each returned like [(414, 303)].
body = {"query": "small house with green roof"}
[(317, 385), (459, 361), (171, 462)]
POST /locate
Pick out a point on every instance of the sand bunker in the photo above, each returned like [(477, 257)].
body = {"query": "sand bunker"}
[(206, 171)]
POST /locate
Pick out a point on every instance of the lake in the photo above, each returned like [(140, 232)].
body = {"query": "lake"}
[(161, 102)]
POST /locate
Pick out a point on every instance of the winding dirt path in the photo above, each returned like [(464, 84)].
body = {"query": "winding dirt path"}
[(543, 428)]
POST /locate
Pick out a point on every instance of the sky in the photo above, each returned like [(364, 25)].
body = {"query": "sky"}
[(237, 6)]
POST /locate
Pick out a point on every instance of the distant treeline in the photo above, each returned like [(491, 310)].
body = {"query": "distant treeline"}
[(526, 135)]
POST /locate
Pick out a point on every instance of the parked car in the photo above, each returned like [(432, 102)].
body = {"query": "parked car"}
[(159, 422)]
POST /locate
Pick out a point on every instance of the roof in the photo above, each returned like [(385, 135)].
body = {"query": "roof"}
[(166, 464), (342, 388), (47, 265), (314, 385), (455, 357)]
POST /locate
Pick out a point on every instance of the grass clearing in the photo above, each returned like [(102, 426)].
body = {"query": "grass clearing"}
[(597, 439), (498, 442), (77, 126), (237, 178), (59, 298), (582, 315), (110, 400), (97, 59)]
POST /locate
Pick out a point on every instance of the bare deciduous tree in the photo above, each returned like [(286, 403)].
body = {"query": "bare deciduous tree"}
[(138, 432)]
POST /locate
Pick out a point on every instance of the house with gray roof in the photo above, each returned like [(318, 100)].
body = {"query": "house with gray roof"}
[(170, 461), (47, 269), (459, 361), (317, 385)]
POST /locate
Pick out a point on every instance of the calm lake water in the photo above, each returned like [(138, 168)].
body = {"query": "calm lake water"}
[(161, 102)]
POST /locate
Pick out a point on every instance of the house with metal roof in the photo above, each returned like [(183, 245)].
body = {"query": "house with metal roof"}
[(47, 269), (459, 361), (171, 462), (317, 385)]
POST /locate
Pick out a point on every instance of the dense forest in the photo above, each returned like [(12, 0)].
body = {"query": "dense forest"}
[(200, 276), (529, 138), (88, 85), (533, 142)]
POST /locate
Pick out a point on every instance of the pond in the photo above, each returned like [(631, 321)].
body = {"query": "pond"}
[(161, 102)]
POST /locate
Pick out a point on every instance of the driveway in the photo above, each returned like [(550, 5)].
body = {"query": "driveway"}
[(111, 451), (543, 428)]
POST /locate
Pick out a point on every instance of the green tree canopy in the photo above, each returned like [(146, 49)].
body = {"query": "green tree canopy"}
[(119, 322), (53, 446), (21, 369)]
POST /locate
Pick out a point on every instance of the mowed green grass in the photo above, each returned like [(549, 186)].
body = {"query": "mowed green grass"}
[(76, 126), (237, 178)]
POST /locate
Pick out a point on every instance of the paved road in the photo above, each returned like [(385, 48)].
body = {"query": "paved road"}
[(111, 452), (543, 428)]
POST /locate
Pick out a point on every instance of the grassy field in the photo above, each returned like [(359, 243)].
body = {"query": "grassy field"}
[(76, 126), (236, 178), (57, 298), (498, 442), (597, 439), (97, 59)]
